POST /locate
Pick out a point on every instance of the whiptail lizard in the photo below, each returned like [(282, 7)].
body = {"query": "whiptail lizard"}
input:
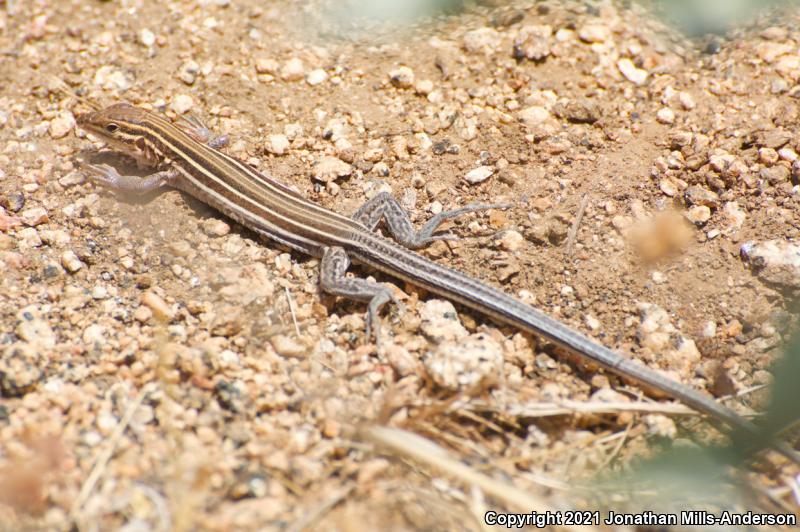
[(190, 161)]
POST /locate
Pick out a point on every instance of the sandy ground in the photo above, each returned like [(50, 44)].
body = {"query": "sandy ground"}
[(163, 368)]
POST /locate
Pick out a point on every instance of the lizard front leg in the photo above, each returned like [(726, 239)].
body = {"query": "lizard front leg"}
[(109, 177)]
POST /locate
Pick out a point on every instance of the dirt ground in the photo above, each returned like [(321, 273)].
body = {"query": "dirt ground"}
[(162, 368)]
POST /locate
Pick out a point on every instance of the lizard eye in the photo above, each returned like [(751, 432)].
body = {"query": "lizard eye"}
[(112, 128)]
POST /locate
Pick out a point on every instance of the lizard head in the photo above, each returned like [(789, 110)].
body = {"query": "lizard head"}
[(124, 128)]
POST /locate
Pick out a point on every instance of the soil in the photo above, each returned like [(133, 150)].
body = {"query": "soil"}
[(161, 367)]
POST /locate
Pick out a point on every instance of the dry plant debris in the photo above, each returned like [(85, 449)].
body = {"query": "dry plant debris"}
[(161, 368)]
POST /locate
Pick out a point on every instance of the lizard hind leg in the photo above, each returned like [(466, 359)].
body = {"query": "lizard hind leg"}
[(333, 280)]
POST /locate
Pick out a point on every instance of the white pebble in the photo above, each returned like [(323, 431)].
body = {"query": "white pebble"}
[(61, 125), (277, 144), (71, 262), (402, 77), (631, 72), (478, 175), (182, 103), (147, 37), (316, 76), (594, 33), (665, 115), (293, 70)]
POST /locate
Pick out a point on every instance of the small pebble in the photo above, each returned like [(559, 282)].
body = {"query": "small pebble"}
[(267, 65), (510, 240), (665, 115), (147, 38), (402, 77), (698, 215), (61, 125), (28, 238), (161, 310), (331, 168), (71, 262), (13, 201), (277, 144), (293, 70), (464, 364), (478, 175), (288, 347), (316, 76), (110, 78), (188, 71), (182, 103), (631, 72), (34, 216), (594, 33), (215, 227)]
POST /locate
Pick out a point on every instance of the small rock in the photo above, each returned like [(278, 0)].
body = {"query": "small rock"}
[(94, 335), (668, 187), (698, 215), (773, 138), (71, 262), (34, 216), (482, 40), (331, 168), (657, 334), (478, 175), (401, 360), (439, 321), (110, 78), (424, 87), (734, 215), (665, 115), (147, 38), (267, 65), (142, 314), (775, 174), (534, 115), (61, 125), (293, 70), (215, 227), (188, 71), (402, 77), (787, 154), (592, 322), (28, 238), (594, 33), (510, 240), (660, 426), (99, 292), (72, 179), (182, 103), (774, 261), (631, 72), (13, 201), (316, 76), (578, 112), (464, 364), (161, 310), (288, 347), (533, 42), (277, 144), (20, 370), (686, 100), (768, 156), (709, 329), (697, 195)]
